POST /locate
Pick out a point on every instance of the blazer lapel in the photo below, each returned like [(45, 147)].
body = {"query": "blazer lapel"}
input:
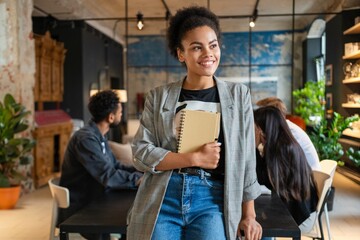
[(168, 111), (226, 100)]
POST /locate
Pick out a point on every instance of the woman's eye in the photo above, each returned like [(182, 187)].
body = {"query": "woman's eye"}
[(197, 48), (213, 46)]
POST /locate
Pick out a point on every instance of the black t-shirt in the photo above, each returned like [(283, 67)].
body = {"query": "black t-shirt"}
[(206, 100)]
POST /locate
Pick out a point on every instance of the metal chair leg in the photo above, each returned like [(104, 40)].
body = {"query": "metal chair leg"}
[(327, 221), (324, 206)]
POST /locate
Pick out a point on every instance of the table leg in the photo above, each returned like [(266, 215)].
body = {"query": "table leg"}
[(64, 236)]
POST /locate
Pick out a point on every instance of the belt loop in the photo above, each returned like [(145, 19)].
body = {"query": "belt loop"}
[(202, 174)]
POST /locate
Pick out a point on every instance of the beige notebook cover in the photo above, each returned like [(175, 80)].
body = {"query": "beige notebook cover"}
[(196, 129)]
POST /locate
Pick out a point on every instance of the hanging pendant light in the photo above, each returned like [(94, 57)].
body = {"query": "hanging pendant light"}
[(140, 21)]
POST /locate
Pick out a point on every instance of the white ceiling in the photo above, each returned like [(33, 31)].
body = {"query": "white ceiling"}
[(234, 15)]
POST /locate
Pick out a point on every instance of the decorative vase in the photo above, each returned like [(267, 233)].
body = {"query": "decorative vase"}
[(9, 197)]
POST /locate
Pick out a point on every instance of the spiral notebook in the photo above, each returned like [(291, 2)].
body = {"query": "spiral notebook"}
[(196, 129)]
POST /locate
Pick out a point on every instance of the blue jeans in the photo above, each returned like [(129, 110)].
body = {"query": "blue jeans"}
[(192, 209)]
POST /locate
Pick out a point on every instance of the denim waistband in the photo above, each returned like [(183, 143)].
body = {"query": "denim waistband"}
[(200, 172)]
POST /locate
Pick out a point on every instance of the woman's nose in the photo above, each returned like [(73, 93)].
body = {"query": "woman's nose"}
[(208, 51)]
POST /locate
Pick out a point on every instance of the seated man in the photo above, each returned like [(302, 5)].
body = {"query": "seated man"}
[(300, 135), (89, 166)]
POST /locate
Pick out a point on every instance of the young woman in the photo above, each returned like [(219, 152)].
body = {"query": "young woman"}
[(212, 196), (282, 165)]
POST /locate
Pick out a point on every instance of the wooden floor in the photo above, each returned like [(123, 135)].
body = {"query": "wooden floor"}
[(30, 220)]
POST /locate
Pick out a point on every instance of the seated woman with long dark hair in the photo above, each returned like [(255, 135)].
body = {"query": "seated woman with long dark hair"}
[(282, 166)]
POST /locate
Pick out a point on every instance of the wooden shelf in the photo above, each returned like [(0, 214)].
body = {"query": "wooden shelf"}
[(351, 80), (349, 142), (352, 133), (350, 173), (350, 105), (353, 30), (354, 55)]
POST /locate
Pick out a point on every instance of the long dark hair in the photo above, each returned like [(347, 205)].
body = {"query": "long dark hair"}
[(287, 167)]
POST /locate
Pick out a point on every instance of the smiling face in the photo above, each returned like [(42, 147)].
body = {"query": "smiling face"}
[(201, 52)]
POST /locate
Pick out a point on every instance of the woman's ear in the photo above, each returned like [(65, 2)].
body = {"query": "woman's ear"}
[(180, 55)]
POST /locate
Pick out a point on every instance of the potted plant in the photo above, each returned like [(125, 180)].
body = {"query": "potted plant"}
[(325, 137), (309, 102), (15, 149)]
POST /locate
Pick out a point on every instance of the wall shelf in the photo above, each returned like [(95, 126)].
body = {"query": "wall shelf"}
[(353, 30), (352, 133), (351, 80), (349, 137), (352, 56), (350, 105)]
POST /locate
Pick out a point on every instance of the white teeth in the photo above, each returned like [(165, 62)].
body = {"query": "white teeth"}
[(208, 63)]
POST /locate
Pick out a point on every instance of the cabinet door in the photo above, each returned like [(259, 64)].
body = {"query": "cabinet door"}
[(57, 80), (46, 49), (45, 78), (50, 56), (37, 71), (44, 157)]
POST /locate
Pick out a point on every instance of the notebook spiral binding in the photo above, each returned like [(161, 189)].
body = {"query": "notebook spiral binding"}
[(182, 120)]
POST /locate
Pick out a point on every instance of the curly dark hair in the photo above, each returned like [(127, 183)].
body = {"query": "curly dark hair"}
[(102, 104), (187, 19)]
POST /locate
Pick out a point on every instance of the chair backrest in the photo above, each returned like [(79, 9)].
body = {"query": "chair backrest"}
[(323, 183), (61, 199), (328, 166), (60, 194)]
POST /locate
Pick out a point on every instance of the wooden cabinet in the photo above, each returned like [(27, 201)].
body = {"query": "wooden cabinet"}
[(53, 127), (52, 134), (50, 57)]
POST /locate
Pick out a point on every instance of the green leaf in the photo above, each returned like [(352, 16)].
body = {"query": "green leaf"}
[(4, 181), (325, 136), (354, 156), (14, 149), (309, 101)]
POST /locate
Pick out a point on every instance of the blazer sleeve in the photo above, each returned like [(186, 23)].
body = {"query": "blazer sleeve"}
[(145, 146), (251, 186)]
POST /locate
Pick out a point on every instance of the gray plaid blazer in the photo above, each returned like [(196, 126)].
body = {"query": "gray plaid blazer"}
[(155, 138)]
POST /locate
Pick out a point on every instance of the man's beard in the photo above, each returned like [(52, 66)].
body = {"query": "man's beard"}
[(114, 124)]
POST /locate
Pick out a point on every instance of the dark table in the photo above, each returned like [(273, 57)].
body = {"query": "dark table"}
[(275, 218), (104, 215), (108, 215)]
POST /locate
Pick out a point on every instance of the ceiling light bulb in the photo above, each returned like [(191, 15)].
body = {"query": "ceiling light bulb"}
[(252, 24), (140, 25), (140, 21)]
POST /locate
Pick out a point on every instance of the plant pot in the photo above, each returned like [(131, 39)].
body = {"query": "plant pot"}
[(297, 120), (9, 197)]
